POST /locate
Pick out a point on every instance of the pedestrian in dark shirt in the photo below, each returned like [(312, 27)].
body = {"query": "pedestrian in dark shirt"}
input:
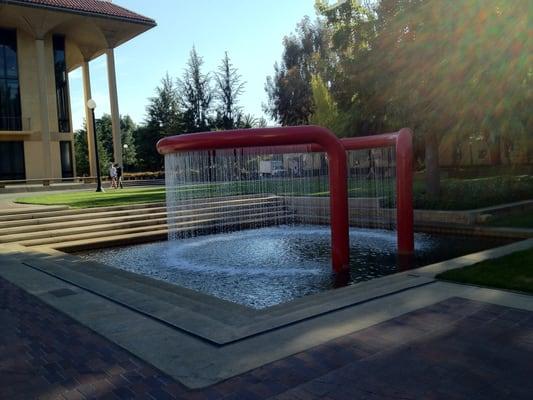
[(119, 176)]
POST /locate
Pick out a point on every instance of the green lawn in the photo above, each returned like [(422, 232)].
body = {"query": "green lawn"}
[(86, 199), (521, 220), (513, 272), (313, 187), (457, 194)]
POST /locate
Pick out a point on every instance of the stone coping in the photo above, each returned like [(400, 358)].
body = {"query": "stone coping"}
[(511, 234), (221, 322), (208, 318), (143, 327)]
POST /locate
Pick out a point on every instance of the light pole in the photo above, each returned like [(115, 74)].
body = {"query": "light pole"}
[(125, 147), (91, 105)]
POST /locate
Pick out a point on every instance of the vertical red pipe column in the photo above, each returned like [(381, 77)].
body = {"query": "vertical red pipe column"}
[(403, 143), (404, 192), (339, 215)]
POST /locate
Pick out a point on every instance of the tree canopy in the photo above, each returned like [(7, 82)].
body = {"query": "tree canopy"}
[(461, 67)]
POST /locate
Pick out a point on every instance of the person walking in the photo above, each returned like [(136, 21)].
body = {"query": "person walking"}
[(119, 176), (113, 175)]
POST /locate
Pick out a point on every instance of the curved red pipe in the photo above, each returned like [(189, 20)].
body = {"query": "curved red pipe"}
[(403, 143), (286, 136)]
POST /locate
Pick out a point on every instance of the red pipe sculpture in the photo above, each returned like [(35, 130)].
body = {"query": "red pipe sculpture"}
[(286, 136), (403, 142)]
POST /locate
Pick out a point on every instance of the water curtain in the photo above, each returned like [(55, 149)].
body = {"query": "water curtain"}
[(231, 180)]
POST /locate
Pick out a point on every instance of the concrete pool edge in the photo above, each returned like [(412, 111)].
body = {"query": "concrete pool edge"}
[(220, 322), (198, 364), (205, 317)]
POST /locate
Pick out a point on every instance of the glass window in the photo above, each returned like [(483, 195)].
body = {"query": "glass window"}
[(10, 112), (11, 61), (60, 67), (65, 148), (12, 160)]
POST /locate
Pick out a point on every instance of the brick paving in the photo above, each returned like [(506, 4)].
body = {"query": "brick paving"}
[(456, 349)]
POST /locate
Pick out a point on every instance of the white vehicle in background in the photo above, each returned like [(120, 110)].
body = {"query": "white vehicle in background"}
[(271, 168)]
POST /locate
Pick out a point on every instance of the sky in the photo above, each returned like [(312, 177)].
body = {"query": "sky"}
[(251, 31)]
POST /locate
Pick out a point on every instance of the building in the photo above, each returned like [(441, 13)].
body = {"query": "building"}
[(40, 42)]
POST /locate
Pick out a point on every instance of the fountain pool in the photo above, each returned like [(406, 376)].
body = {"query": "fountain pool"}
[(263, 267)]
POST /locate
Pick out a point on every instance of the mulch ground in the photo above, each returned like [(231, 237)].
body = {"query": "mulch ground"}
[(456, 349)]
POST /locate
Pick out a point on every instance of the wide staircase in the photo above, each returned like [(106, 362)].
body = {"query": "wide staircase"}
[(76, 229)]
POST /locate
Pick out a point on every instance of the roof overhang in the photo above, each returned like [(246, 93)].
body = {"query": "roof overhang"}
[(88, 35)]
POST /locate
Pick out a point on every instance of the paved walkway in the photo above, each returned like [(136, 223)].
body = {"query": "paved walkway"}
[(456, 349)]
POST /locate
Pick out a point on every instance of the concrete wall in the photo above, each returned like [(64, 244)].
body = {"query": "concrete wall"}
[(367, 212)]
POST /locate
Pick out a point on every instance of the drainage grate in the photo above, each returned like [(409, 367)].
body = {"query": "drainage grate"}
[(62, 292)]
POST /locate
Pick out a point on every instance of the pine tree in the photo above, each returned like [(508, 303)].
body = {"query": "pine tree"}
[(229, 86), (195, 95), (163, 110), (163, 119)]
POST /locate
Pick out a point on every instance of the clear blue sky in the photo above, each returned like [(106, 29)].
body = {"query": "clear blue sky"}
[(250, 30)]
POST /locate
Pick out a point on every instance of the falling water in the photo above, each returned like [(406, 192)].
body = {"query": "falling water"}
[(225, 190), (220, 191), (372, 188)]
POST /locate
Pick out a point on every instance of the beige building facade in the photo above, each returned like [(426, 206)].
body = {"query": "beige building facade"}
[(41, 41)]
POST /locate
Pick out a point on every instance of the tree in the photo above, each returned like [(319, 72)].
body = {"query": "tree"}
[(195, 95), (461, 68), (104, 133), (349, 28), (129, 152), (290, 101), (247, 121), (229, 86), (81, 151), (163, 118), (326, 112), (163, 111)]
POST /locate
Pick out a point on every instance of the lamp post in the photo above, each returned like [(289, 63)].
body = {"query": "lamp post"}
[(91, 105), (125, 147)]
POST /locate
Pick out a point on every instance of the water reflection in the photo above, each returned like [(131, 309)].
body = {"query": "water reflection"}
[(263, 267)]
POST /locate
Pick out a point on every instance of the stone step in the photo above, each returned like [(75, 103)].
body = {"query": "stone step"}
[(103, 228), (95, 220), (78, 217), (23, 212), (136, 212), (29, 218), (161, 233), (207, 223), (92, 234)]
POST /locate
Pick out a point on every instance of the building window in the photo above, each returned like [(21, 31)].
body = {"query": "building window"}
[(65, 148), (12, 161), (10, 115), (60, 67)]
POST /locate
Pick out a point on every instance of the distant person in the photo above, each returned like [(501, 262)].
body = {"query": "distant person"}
[(113, 175), (119, 176), (371, 165)]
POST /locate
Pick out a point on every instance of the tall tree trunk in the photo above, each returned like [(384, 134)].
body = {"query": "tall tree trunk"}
[(432, 175), (495, 150)]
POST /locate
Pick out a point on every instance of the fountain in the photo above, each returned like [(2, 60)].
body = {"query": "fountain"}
[(256, 216), (217, 165)]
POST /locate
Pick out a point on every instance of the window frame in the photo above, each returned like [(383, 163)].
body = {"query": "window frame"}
[(10, 101), (61, 83)]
